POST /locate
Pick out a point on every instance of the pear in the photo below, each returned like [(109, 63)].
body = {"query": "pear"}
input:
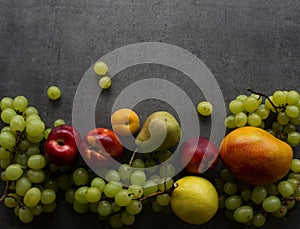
[(160, 132), (255, 156)]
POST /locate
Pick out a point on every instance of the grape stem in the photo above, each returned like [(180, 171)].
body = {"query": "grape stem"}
[(263, 95), (132, 156), (159, 192), (5, 192)]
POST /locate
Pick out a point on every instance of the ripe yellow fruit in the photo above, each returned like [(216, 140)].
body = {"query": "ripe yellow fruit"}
[(125, 122), (195, 200)]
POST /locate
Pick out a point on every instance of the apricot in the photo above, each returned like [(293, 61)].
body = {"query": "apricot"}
[(125, 122)]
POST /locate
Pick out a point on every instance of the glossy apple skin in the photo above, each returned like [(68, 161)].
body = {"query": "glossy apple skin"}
[(99, 146), (61, 145), (193, 151)]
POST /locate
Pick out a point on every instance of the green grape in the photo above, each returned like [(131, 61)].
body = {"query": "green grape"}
[(48, 196), (156, 178), (293, 138), (138, 163), (295, 165), (4, 154), (257, 97), (138, 177), (127, 218), (151, 164), (16, 210), (100, 68), (281, 212), (156, 207), (123, 198), (5, 163), (70, 195), (259, 193), (36, 175), (292, 97), (37, 210), (163, 156), (53, 93), (17, 123), (112, 175), (80, 208), (80, 176), (13, 172), (134, 207), (240, 119), (294, 182), (10, 200), (25, 215), (99, 183), (294, 175), (21, 159), (105, 82), (94, 207), (125, 171), (289, 128), (115, 207), (243, 214), (295, 121), (47, 132), (165, 183), (163, 199), (37, 161), (6, 129), (292, 111), (258, 220), (7, 114), (23, 184), (279, 97), (233, 202), (37, 139), (7, 140), (32, 117), (236, 106), (251, 104), (32, 150), (20, 103), (104, 208), (112, 188), (269, 104), (241, 98), (263, 111), (282, 118), (205, 108), (93, 195), (285, 188), (52, 184), (24, 144), (226, 176), (32, 197), (149, 187), (80, 195), (290, 203), (254, 119), (135, 191), (271, 204), (230, 122), (230, 188), (3, 177), (35, 128), (167, 170), (115, 221), (222, 199), (28, 111), (6, 102), (59, 122), (272, 190)]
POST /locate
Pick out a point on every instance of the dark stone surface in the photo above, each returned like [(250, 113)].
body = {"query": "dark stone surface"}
[(244, 44)]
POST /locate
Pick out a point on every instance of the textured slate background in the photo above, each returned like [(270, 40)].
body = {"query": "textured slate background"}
[(244, 43)]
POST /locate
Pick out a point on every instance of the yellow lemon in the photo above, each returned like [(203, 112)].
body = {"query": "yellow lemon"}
[(195, 200)]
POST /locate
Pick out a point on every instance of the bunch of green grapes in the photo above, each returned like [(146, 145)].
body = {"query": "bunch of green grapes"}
[(120, 195), (279, 114), (29, 189), (251, 205)]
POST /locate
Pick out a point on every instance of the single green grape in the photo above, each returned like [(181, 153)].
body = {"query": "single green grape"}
[(59, 122), (259, 193), (279, 97), (230, 122), (32, 197), (251, 104), (292, 111), (93, 194), (7, 114), (13, 172), (254, 119), (100, 68), (243, 214), (295, 165), (205, 108), (6, 102), (271, 204), (112, 175), (240, 119), (123, 198), (285, 188), (105, 82), (54, 93), (236, 106), (20, 103), (292, 97), (233, 202)]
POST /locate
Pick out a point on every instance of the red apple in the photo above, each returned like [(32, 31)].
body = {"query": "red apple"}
[(100, 146), (192, 155), (61, 145)]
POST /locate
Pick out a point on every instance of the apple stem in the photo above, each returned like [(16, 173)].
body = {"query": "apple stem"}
[(132, 156), (4, 192)]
